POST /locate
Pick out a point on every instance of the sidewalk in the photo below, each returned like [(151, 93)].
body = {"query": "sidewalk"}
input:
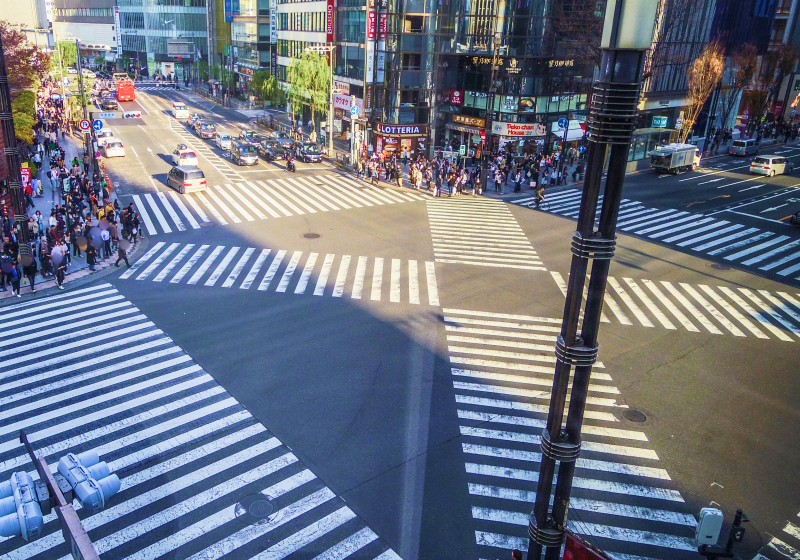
[(51, 196)]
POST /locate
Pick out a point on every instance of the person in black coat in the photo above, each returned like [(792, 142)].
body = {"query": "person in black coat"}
[(30, 273)]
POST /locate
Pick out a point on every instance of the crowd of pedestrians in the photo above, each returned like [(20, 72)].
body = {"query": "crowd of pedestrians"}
[(84, 221)]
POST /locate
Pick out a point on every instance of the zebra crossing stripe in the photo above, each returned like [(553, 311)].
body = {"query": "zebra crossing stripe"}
[(741, 243), (222, 205), (189, 264), (304, 276), (627, 300), (250, 189), (185, 211), (780, 305), (142, 260), (158, 214), (263, 192), (755, 314), (758, 247), (690, 308), (394, 284), (358, 283), (171, 211), (299, 192), (649, 304), (273, 268), (276, 192), (156, 263), (433, 289), (205, 266), (377, 279), (772, 253), (237, 189), (413, 283), (237, 269), (148, 224), (712, 310), (322, 280), (214, 212), (251, 275), (733, 312), (769, 311), (286, 190), (341, 277), (233, 202), (287, 274)]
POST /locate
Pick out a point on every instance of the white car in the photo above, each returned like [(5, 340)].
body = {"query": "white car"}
[(71, 71), (88, 73), (114, 148), (223, 140), (184, 158), (771, 166), (103, 136)]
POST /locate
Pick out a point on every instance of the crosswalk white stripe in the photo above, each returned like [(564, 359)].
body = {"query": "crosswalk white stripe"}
[(157, 262), (394, 286), (99, 302), (36, 307), (260, 188), (358, 282), (238, 267), (433, 289), (171, 211), (413, 283), (772, 253), (205, 266), (185, 211), (364, 194), (306, 535), (742, 242), (721, 240), (693, 232), (513, 317), (189, 264), (494, 332), (236, 219), (716, 233), (785, 550), (148, 223), (286, 189), (790, 270), (673, 226), (662, 216), (476, 262), (211, 208), (254, 192), (157, 213), (299, 192), (757, 248), (627, 300), (251, 275), (273, 191), (236, 190), (755, 314), (273, 268), (559, 280), (781, 261), (377, 279), (783, 307), (520, 247), (770, 311), (733, 312), (654, 309), (304, 276), (252, 532), (479, 257), (233, 202), (636, 213), (322, 279), (324, 195), (524, 379), (612, 304), (144, 258), (696, 313), (345, 192), (341, 276), (287, 274), (712, 310), (348, 546), (196, 208)]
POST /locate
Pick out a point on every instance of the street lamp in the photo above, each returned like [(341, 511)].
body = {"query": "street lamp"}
[(329, 128), (627, 34)]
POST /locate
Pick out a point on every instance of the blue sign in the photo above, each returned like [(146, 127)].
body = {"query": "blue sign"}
[(354, 110), (581, 149), (563, 123), (228, 11), (97, 125), (111, 115), (660, 122)]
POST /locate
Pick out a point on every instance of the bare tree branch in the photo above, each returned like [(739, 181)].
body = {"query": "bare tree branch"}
[(703, 76), (738, 75)]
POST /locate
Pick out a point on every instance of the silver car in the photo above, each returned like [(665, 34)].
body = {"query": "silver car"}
[(185, 178), (223, 140)]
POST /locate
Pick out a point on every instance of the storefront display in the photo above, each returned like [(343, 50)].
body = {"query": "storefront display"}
[(389, 138)]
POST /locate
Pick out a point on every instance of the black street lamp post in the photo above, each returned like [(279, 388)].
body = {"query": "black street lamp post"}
[(627, 35)]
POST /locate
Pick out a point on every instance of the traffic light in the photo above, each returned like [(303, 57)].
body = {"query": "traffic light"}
[(20, 513), (90, 478)]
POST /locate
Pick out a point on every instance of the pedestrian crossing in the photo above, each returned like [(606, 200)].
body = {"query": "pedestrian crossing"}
[(248, 201), (479, 231), (783, 546), (283, 271), (623, 501), (188, 454), (699, 308), (748, 247), (203, 148)]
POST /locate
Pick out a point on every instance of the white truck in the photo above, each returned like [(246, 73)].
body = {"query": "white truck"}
[(675, 158)]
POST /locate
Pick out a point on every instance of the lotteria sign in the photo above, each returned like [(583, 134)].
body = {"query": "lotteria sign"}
[(402, 130), (518, 129)]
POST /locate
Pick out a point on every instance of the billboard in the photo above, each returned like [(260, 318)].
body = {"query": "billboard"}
[(329, 20), (273, 22)]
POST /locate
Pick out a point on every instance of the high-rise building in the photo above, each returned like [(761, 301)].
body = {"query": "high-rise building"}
[(32, 17), (91, 21)]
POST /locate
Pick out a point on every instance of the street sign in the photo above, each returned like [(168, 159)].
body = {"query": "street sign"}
[(462, 149), (97, 125), (132, 115), (660, 122), (107, 115), (679, 123), (581, 149), (85, 126), (563, 123), (66, 81), (25, 172), (354, 110)]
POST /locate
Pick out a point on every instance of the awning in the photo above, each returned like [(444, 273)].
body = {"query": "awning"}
[(463, 128)]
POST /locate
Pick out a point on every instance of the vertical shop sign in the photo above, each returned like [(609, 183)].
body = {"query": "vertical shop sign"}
[(329, 15), (370, 73), (273, 22)]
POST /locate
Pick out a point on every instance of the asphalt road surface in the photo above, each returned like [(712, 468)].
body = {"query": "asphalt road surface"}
[(303, 366)]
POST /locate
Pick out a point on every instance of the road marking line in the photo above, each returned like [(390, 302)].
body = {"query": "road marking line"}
[(287, 274), (683, 227), (277, 194), (433, 289), (755, 314), (742, 243), (672, 308), (299, 192), (157, 212), (322, 280), (185, 211), (252, 191), (696, 313), (638, 313), (654, 309), (222, 205), (733, 312), (341, 276), (413, 283), (236, 190), (670, 221), (713, 310), (222, 266), (758, 247), (148, 224), (238, 267), (663, 216), (770, 311), (171, 211), (358, 282), (781, 261), (712, 234), (234, 203), (147, 256), (212, 209), (303, 282), (285, 188), (156, 263), (779, 250), (251, 275), (206, 264), (189, 264), (273, 268), (394, 282), (377, 279)]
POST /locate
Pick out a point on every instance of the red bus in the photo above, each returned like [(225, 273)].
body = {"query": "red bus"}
[(125, 90)]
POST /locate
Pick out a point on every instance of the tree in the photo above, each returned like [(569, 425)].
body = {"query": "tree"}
[(787, 62), (22, 112), (125, 62), (260, 78), (703, 76), (202, 69), (26, 64), (738, 75), (69, 53), (309, 82), (774, 65), (273, 91)]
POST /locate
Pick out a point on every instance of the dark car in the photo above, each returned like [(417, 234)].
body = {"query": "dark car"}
[(243, 153), (308, 152), (271, 150), (250, 136), (286, 143), (795, 219), (205, 130), (109, 102)]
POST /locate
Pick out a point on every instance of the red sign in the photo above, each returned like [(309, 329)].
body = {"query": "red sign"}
[(329, 19), (578, 549), (26, 176), (383, 20), (778, 108), (456, 97), (85, 124), (371, 16), (483, 135)]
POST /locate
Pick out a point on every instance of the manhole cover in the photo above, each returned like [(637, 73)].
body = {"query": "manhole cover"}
[(254, 509), (633, 415), (720, 266), (311, 235)]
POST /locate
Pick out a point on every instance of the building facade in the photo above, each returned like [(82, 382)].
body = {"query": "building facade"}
[(32, 17), (164, 36), (91, 21)]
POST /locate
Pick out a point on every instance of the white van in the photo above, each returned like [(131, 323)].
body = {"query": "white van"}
[(771, 166), (180, 111), (743, 147)]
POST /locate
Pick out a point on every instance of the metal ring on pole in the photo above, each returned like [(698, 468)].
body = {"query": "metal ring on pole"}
[(594, 247), (577, 355), (559, 450), (547, 536), (612, 113)]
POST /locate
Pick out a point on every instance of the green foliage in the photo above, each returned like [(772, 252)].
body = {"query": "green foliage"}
[(309, 81), (273, 91), (69, 53), (202, 69), (23, 126), (260, 78), (24, 102)]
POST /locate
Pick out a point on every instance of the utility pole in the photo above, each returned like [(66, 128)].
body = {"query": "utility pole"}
[(87, 140), (18, 201), (497, 42), (627, 34)]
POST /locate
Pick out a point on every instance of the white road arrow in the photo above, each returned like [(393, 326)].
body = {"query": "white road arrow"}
[(711, 181), (753, 187), (773, 208)]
